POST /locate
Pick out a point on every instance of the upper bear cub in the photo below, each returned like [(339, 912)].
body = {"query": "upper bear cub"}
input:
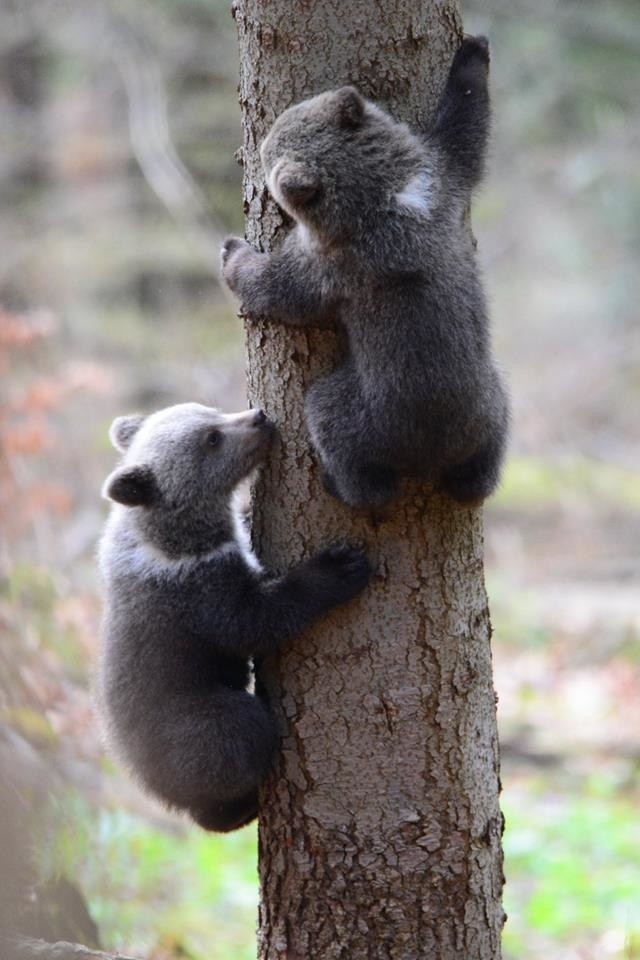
[(381, 243), (187, 605)]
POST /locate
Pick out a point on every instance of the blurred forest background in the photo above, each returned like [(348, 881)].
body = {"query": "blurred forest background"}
[(110, 303)]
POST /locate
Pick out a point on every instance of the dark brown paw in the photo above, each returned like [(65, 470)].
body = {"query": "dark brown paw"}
[(348, 568), (471, 64), (474, 48)]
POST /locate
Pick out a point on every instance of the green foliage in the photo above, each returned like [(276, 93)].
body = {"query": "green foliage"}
[(516, 619), (572, 862), (572, 866), (33, 596), (538, 483), (152, 887)]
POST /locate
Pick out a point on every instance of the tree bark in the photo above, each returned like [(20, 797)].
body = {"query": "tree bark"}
[(380, 826)]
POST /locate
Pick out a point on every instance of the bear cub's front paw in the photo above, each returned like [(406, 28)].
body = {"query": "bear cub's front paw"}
[(345, 569), (234, 251), (471, 62), (230, 245)]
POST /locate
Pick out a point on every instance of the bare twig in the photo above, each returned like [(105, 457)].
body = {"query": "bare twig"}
[(154, 149)]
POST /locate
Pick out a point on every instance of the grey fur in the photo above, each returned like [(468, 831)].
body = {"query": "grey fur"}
[(381, 243), (187, 605)]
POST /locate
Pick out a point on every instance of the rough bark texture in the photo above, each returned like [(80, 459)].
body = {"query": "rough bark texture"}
[(380, 828)]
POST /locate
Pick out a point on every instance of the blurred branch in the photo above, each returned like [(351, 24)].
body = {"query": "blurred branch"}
[(40, 950), (154, 149), (149, 128)]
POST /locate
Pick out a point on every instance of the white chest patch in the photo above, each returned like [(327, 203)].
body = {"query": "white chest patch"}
[(243, 538), (144, 560), (417, 193), (305, 237), (121, 553), (147, 561)]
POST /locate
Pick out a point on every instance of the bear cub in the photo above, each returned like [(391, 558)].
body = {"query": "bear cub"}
[(381, 245), (187, 605)]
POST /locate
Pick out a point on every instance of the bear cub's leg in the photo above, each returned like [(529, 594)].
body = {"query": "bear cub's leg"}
[(221, 751), (365, 485), (463, 117), (352, 462)]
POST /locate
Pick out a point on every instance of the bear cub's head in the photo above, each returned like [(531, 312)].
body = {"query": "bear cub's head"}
[(334, 158), (180, 467)]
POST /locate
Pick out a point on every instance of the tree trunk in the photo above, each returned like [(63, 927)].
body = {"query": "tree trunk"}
[(380, 828)]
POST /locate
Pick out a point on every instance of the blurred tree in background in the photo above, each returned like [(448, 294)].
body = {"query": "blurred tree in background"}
[(119, 126)]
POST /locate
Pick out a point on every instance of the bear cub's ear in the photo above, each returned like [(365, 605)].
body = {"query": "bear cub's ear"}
[(350, 107), (123, 430), (131, 486)]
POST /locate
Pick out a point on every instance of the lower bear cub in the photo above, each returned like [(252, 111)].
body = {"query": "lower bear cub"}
[(381, 243), (188, 605)]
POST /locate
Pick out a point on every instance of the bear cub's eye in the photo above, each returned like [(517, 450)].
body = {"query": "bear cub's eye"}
[(213, 438)]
